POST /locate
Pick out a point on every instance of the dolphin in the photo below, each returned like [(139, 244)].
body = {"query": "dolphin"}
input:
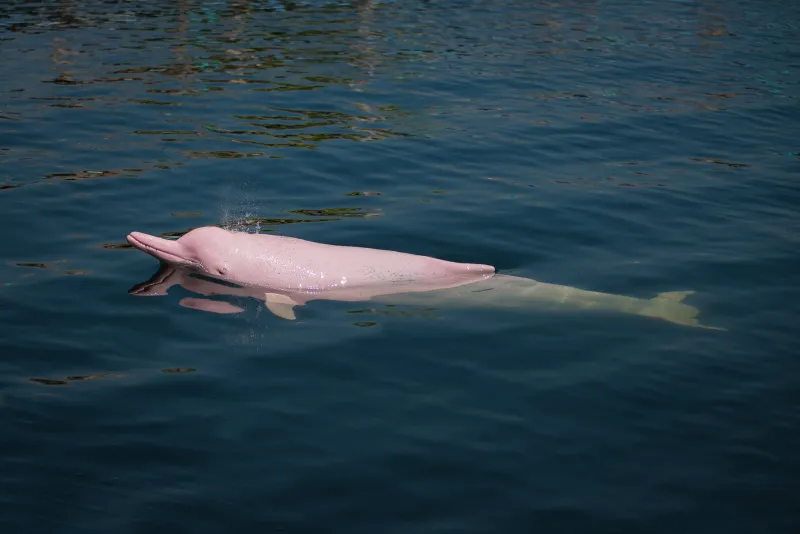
[(285, 272)]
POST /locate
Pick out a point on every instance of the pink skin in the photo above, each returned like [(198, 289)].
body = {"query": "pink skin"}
[(304, 270)]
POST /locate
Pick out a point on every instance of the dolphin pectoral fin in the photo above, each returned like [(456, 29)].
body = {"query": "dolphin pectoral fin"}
[(280, 305), (284, 311), (674, 296)]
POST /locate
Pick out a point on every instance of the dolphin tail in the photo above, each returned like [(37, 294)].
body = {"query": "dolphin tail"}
[(669, 306)]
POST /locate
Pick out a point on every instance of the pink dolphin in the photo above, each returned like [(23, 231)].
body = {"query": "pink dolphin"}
[(287, 272)]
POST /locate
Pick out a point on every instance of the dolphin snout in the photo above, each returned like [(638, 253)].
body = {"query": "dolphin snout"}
[(143, 241), (161, 249), (134, 238)]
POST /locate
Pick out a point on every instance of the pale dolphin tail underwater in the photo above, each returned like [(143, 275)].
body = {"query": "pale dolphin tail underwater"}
[(514, 292), (669, 306), (286, 272)]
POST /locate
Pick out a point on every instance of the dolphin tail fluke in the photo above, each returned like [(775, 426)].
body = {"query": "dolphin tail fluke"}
[(669, 306), (673, 296)]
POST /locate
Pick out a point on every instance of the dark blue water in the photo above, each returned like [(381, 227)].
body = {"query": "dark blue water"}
[(625, 147)]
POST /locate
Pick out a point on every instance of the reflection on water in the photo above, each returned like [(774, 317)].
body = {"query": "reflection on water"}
[(208, 87), (221, 81), (67, 380)]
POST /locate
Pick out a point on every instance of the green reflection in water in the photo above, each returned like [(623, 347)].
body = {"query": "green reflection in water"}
[(69, 379), (216, 61)]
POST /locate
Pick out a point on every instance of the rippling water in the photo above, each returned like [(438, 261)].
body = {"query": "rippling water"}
[(624, 147)]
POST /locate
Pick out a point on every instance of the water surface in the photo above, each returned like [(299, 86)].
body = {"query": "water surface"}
[(624, 147)]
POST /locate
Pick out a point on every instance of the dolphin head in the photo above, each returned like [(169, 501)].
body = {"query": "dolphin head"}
[(202, 249)]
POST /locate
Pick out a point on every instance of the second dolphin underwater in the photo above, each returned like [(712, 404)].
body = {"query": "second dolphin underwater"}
[(286, 272)]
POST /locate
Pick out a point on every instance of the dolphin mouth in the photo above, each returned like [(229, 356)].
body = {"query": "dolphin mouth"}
[(161, 249)]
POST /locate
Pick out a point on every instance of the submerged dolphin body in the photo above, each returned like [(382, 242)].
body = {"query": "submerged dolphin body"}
[(286, 272)]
